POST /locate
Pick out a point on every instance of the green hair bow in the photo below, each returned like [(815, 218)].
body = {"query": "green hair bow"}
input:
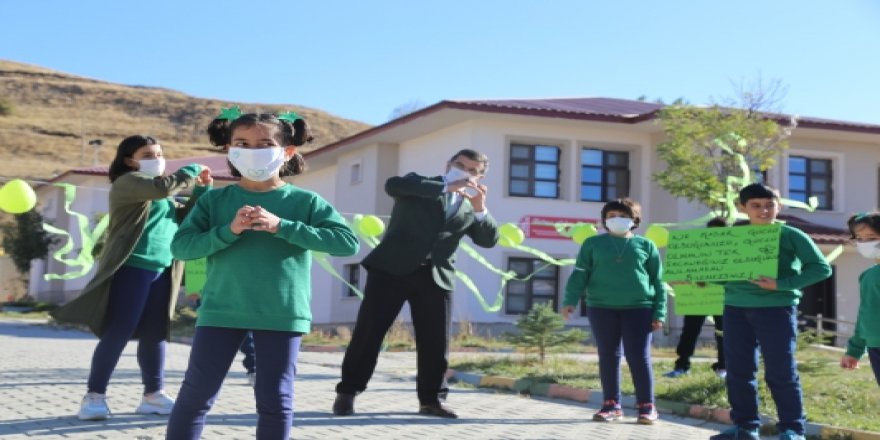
[(289, 116), (230, 114)]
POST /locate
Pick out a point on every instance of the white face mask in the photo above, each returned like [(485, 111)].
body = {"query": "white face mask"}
[(869, 249), (257, 164), (619, 225), (455, 174), (152, 167)]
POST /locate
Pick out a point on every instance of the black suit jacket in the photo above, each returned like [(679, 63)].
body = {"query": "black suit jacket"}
[(419, 230)]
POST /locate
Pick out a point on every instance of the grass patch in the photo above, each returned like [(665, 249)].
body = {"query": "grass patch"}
[(831, 395)]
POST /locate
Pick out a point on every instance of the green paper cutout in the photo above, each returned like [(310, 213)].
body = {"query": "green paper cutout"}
[(691, 299), (84, 259), (722, 254)]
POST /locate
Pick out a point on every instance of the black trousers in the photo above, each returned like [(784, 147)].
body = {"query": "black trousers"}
[(384, 296), (693, 326)]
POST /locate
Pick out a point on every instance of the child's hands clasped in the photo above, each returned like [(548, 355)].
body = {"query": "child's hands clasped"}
[(766, 283), (254, 218)]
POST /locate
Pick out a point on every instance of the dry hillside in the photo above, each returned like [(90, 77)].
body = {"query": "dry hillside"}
[(54, 115)]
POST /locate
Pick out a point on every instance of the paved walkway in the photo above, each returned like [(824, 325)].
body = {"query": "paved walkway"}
[(43, 372)]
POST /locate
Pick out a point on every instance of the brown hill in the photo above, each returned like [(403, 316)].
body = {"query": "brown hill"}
[(53, 115)]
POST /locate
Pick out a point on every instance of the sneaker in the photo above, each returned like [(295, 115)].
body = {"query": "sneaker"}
[(647, 414), (609, 412), (155, 403), (722, 373), (93, 407), (675, 373), (252, 379), (791, 435), (737, 433)]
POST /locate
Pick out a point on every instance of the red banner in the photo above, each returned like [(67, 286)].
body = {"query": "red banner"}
[(540, 226)]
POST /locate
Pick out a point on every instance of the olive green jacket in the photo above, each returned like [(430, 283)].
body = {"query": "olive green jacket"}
[(130, 197)]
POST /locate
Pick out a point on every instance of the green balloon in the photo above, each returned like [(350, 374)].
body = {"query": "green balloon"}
[(371, 226), (17, 197), (511, 235), (582, 232)]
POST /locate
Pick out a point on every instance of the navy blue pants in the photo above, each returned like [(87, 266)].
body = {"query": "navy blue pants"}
[(138, 305), (874, 355), (213, 351), (632, 328), (774, 331)]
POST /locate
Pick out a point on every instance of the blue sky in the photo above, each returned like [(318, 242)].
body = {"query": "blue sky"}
[(362, 59)]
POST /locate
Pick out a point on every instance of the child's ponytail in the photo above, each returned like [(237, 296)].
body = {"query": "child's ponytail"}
[(301, 132), (218, 132)]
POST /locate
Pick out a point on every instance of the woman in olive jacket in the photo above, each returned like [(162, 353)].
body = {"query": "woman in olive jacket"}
[(135, 288)]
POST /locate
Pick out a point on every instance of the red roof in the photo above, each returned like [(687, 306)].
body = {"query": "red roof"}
[(820, 234), (217, 163)]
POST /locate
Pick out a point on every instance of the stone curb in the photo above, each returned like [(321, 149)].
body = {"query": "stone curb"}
[(557, 391)]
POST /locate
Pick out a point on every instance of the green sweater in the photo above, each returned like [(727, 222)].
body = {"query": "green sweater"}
[(258, 280), (153, 250), (867, 324), (800, 265), (632, 283)]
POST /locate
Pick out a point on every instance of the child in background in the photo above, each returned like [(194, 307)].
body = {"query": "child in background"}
[(865, 230), (257, 236), (618, 274), (690, 333), (134, 291), (763, 313)]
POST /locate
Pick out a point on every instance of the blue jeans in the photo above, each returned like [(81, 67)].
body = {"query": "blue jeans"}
[(138, 307), (874, 355), (632, 327), (212, 353), (774, 330)]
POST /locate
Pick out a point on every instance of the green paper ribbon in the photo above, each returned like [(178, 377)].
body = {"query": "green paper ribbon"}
[(84, 259), (289, 116), (230, 114), (323, 260)]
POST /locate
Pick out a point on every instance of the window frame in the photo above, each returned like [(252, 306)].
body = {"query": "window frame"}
[(348, 270), (532, 163), (605, 169), (808, 175), (529, 295)]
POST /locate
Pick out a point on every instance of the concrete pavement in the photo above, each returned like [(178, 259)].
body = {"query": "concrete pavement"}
[(43, 372)]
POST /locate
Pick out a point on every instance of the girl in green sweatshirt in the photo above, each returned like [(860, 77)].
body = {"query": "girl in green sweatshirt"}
[(865, 230), (257, 236)]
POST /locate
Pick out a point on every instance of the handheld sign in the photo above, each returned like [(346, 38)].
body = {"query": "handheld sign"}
[(195, 275), (722, 254), (691, 299)]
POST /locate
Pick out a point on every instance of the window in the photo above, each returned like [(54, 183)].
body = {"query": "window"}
[(355, 176), (534, 171), (604, 175), (810, 177), (353, 277), (542, 287)]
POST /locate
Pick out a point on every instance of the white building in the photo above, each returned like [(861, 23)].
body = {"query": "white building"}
[(550, 160)]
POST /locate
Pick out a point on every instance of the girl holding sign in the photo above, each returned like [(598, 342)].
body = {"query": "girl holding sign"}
[(618, 275), (865, 230)]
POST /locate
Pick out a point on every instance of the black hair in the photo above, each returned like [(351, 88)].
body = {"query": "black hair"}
[(717, 222), (757, 191), (473, 155), (627, 206), (870, 219), (294, 133), (126, 150)]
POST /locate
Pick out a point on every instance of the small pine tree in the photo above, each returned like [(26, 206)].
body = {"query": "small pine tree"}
[(25, 240), (542, 328)]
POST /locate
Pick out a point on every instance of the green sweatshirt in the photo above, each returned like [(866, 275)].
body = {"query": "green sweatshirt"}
[(258, 280), (867, 324), (633, 282), (800, 265), (153, 249)]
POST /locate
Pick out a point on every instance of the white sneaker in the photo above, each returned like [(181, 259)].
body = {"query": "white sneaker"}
[(252, 378), (156, 403), (93, 407)]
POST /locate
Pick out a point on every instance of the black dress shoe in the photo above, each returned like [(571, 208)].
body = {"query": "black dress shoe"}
[(344, 404), (438, 410)]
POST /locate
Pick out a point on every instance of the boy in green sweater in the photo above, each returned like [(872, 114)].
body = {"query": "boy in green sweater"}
[(865, 230), (763, 313)]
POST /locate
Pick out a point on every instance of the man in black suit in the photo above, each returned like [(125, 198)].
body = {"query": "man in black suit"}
[(414, 264)]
